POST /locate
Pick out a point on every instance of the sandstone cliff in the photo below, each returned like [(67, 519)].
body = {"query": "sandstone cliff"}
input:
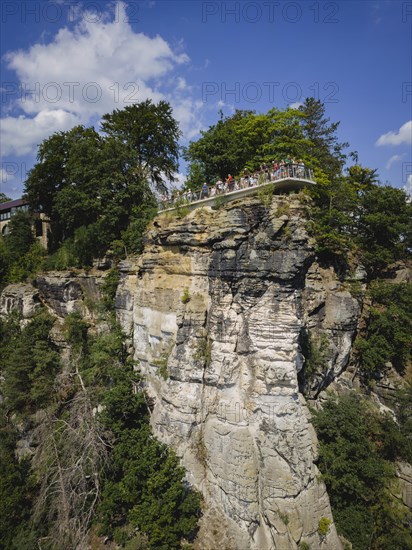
[(217, 309)]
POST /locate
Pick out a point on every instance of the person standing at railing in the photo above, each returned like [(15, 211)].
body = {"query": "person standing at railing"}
[(275, 168), (230, 183), (282, 169), (205, 191)]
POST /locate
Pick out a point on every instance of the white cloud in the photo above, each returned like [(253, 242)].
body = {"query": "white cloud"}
[(88, 71), (392, 160), (295, 105), (403, 136), (187, 112), (19, 134), (180, 180)]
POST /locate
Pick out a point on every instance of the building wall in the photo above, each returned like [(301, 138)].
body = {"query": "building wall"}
[(40, 228)]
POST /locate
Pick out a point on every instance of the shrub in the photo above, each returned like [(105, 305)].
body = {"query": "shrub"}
[(386, 337), (185, 298), (358, 477), (323, 526), (109, 287)]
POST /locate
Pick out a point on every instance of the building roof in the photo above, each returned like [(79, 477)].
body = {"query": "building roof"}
[(12, 204)]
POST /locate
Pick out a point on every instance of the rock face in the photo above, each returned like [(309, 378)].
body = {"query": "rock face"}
[(63, 292), (19, 298), (216, 308)]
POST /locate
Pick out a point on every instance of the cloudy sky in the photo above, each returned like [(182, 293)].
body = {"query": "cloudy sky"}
[(66, 62)]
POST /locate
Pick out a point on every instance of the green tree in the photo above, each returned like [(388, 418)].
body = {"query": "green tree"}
[(245, 140), (148, 136), (322, 135), (4, 198), (4, 263), (65, 175), (384, 227), (15, 488), (20, 236), (107, 177), (386, 335), (144, 484), (358, 476), (30, 363)]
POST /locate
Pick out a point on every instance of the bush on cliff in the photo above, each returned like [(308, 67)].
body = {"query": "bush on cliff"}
[(359, 476)]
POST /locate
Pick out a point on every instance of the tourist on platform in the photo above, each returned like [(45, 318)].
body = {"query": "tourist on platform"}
[(230, 183)]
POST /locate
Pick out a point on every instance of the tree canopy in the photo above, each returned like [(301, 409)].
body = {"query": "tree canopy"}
[(100, 181), (247, 139), (4, 198), (352, 215)]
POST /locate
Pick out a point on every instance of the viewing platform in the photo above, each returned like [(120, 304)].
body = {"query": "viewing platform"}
[(291, 178)]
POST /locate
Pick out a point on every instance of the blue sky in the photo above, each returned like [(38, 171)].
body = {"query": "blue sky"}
[(66, 62)]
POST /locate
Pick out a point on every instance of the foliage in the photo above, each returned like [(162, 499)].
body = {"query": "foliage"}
[(30, 363), (358, 474), (75, 331), (144, 484), (203, 351), (15, 488), (21, 256), (79, 451), (386, 337), (150, 134), (107, 177), (385, 227), (20, 237), (265, 194), (109, 288), (219, 201), (132, 236), (315, 351), (185, 298), (63, 258), (323, 141), (354, 216), (323, 527), (244, 140), (4, 198)]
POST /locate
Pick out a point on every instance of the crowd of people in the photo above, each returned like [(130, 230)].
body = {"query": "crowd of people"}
[(286, 168)]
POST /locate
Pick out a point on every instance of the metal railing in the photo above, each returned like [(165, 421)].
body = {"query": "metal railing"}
[(288, 171)]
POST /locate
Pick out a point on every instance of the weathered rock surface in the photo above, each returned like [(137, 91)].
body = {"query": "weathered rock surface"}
[(66, 292), (63, 292), (217, 304), (20, 298)]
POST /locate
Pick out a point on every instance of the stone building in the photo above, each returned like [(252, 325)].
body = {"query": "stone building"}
[(10, 208)]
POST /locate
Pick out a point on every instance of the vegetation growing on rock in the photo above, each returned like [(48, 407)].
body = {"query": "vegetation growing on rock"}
[(92, 460)]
